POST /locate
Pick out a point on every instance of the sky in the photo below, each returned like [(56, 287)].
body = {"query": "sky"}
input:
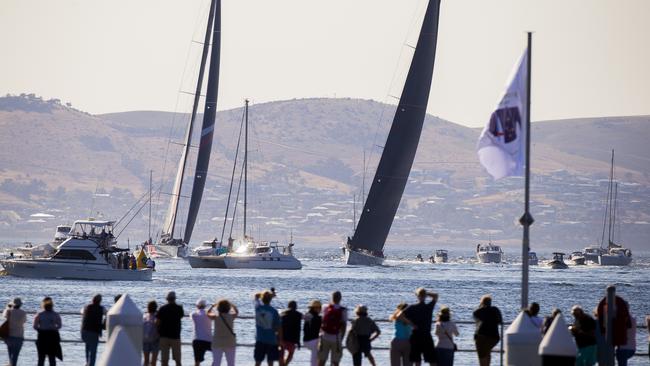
[(590, 57)]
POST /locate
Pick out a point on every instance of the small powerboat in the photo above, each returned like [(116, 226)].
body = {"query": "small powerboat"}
[(558, 261), (441, 256), (532, 259), (578, 258)]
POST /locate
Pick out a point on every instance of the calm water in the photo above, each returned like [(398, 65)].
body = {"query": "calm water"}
[(460, 285)]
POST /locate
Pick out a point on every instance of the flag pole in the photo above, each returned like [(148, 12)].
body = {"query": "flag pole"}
[(527, 219)]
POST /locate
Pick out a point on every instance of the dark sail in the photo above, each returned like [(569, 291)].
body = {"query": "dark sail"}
[(402, 142), (170, 222), (207, 129)]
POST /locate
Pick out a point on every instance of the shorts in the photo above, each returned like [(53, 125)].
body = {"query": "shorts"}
[(422, 347), (167, 344), (484, 344), (288, 346), (325, 347), (200, 348), (364, 345), (265, 350), (587, 355), (151, 347)]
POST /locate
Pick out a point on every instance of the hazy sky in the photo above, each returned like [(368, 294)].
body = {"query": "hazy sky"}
[(590, 57)]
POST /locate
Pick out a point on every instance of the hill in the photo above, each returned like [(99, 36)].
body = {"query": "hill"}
[(307, 159)]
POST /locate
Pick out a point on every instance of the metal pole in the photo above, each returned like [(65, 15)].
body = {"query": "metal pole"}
[(527, 219), (245, 166), (609, 325)]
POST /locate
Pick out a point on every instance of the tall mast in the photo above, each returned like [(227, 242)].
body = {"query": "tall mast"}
[(611, 201), (207, 127), (245, 163), (150, 188), (170, 222)]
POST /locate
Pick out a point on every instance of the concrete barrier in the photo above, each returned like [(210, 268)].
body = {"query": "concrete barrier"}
[(522, 339), (558, 348)]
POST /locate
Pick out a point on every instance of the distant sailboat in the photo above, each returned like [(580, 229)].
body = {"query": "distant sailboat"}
[(366, 247), (616, 254), (169, 243)]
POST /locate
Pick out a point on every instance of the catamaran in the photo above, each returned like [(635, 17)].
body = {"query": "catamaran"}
[(248, 254), (89, 253), (170, 243), (366, 246)]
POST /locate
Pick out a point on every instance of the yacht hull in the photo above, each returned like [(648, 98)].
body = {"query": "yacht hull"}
[(440, 259), (487, 257), (557, 265), (614, 260), (355, 258), (244, 262), (71, 270), (579, 261), (174, 251)]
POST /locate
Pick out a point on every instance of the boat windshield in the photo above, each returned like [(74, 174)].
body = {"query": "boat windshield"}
[(74, 254), (92, 228)]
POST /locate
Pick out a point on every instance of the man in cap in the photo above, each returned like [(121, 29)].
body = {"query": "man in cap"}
[(17, 318), (169, 326), (202, 341), (421, 315), (268, 331)]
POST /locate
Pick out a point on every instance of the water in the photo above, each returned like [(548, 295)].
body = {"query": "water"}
[(460, 285)]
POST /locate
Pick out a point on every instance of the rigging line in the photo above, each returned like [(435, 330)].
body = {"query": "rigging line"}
[(416, 11), (232, 179), (130, 209), (234, 212), (132, 218)]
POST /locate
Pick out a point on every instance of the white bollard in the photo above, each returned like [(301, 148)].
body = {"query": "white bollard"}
[(521, 341), (125, 313), (119, 350), (558, 348)]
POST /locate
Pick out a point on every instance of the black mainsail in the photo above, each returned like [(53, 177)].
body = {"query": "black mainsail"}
[(367, 244), (207, 129)]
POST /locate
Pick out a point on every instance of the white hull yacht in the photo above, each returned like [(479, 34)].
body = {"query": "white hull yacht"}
[(262, 256), (616, 257), (489, 253), (441, 256), (85, 255)]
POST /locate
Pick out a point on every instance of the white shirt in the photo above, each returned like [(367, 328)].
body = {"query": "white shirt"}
[(202, 326), (445, 331)]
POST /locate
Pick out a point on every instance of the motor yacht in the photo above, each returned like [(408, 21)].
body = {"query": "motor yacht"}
[(89, 253), (441, 256), (489, 253), (532, 259)]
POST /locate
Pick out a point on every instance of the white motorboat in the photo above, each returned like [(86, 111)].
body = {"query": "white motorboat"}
[(592, 252), (578, 258), (29, 250), (557, 262), (616, 257), (489, 253), (263, 256), (441, 256), (61, 234), (532, 259), (87, 254)]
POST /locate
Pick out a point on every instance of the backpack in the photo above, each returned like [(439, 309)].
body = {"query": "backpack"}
[(149, 329), (332, 319)]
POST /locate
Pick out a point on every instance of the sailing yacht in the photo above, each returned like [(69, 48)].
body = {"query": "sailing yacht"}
[(171, 244), (248, 254), (366, 246), (616, 254)]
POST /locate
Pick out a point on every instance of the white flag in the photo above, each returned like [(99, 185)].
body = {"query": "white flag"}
[(502, 145)]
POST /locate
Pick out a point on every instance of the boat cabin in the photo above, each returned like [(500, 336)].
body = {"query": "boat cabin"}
[(488, 248)]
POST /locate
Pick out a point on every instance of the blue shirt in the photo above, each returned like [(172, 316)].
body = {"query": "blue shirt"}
[(402, 330), (267, 323)]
